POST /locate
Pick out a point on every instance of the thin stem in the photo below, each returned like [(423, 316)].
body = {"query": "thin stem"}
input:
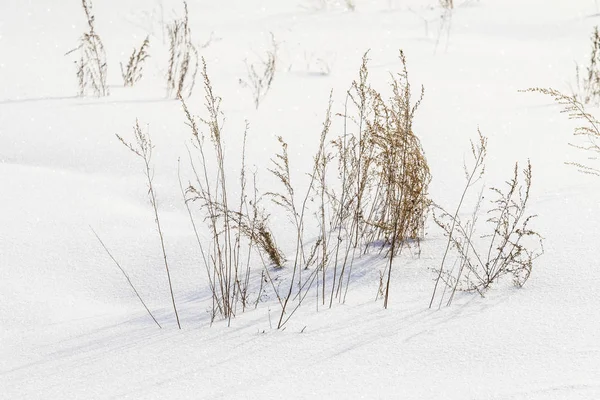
[(126, 277)]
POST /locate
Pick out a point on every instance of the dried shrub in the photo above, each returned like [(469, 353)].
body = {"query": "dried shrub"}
[(508, 253), (183, 58), (91, 66), (133, 72), (510, 247)]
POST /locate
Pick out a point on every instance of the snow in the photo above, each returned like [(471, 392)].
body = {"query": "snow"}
[(72, 328)]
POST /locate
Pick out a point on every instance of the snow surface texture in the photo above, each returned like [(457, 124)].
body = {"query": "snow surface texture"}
[(70, 326)]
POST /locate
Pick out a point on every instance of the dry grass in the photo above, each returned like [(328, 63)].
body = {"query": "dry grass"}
[(466, 231), (589, 132), (589, 84), (260, 75), (383, 173), (297, 213), (380, 197), (401, 170), (142, 148), (507, 252), (400, 166), (91, 66), (183, 58), (226, 259), (367, 191), (132, 73), (255, 226), (510, 247), (221, 255)]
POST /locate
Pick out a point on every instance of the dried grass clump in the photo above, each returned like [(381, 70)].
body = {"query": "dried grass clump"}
[(253, 223), (507, 252), (399, 165), (261, 74), (227, 258), (589, 84), (183, 58), (383, 172), (133, 72), (510, 247), (378, 198), (367, 190), (91, 66)]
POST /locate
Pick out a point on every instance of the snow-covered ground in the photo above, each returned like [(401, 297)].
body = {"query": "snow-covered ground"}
[(70, 325)]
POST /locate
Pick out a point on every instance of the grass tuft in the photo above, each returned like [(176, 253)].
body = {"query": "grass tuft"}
[(91, 66), (132, 73), (589, 83), (183, 58)]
